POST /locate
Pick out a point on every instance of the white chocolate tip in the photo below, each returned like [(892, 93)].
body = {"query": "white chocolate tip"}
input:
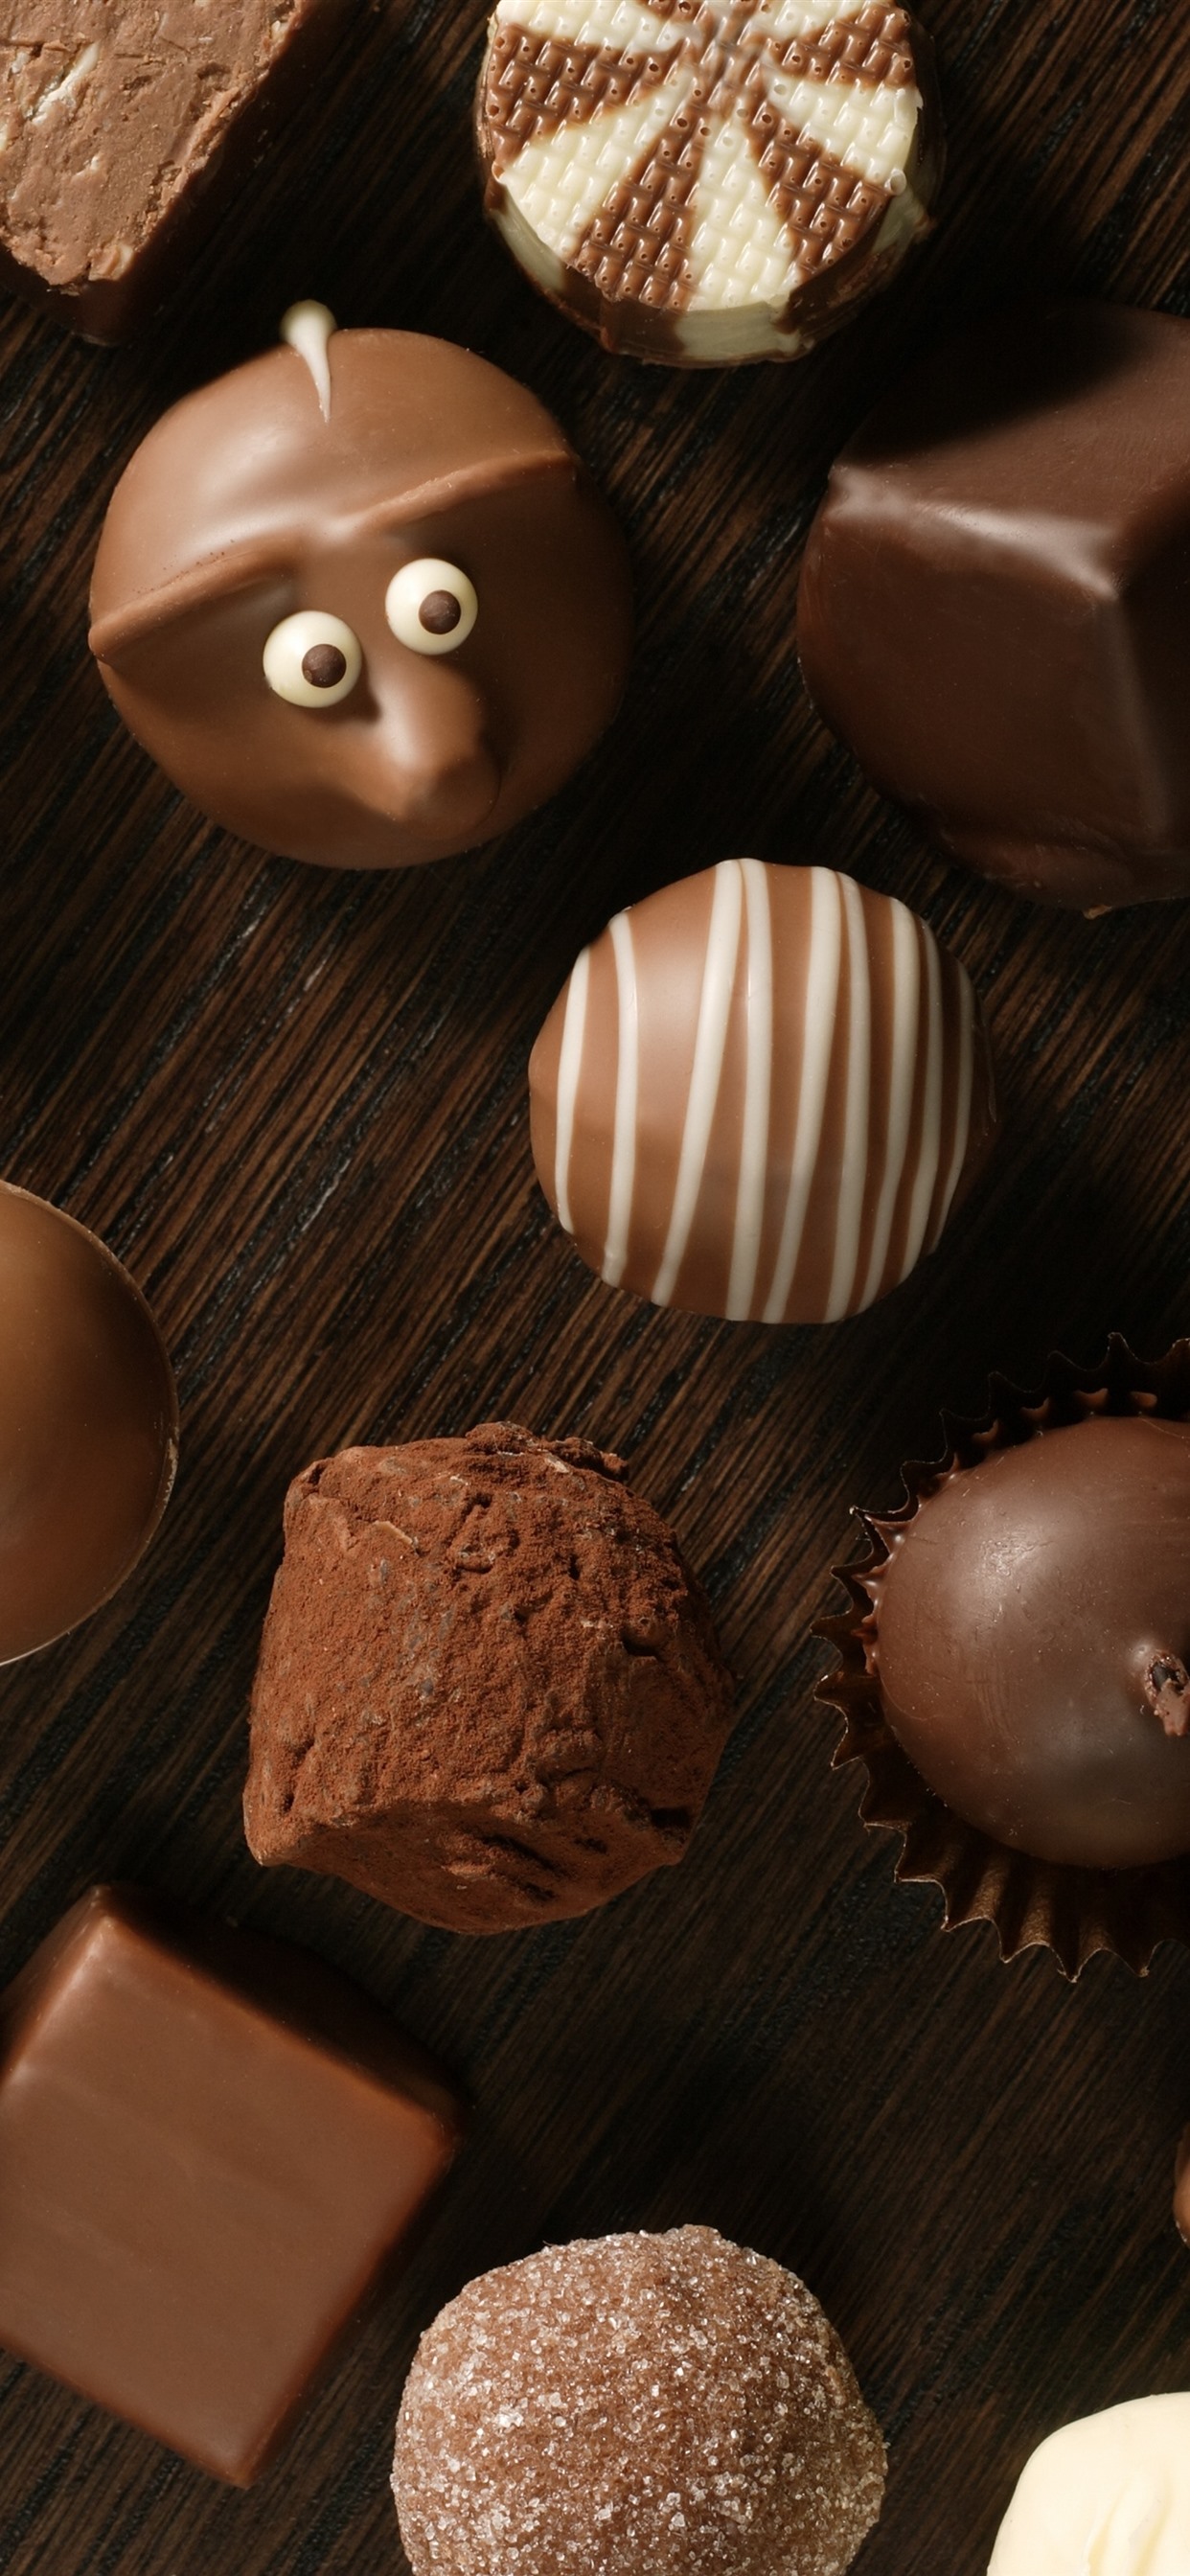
[(308, 328)]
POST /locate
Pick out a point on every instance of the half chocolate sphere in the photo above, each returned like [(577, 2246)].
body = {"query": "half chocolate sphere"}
[(1032, 1641), (88, 1423)]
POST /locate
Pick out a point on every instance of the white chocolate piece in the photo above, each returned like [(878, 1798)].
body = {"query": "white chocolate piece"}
[(1107, 2496), (287, 652), (688, 179), (431, 606), (308, 328)]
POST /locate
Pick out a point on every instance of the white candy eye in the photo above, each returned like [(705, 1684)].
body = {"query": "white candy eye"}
[(431, 606), (312, 659)]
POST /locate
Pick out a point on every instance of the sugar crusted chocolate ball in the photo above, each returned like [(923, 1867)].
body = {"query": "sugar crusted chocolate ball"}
[(88, 1423), (360, 600), (634, 2402), (760, 1095), (1031, 1641), (489, 1691), (994, 613)]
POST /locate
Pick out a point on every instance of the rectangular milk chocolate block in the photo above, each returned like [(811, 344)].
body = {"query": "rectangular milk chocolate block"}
[(125, 126), (210, 2147)]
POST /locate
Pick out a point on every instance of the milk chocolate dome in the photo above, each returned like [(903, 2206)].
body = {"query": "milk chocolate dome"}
[(360, 600)]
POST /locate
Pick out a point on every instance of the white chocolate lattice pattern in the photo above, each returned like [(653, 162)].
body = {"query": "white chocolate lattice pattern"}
[(701, 165)]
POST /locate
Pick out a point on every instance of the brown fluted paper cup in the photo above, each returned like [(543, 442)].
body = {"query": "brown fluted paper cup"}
[(1071, 1910)]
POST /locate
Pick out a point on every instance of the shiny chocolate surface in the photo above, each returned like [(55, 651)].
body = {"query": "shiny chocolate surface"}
[(88, 1423)]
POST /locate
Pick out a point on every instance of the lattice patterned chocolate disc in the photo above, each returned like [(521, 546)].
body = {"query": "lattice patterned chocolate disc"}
[(704, 181)]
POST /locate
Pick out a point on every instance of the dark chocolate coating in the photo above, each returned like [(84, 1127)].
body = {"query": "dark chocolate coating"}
[(88, 1423), (211, 2145), (1032, 1641), (245, 504), (1181, 2187), (995, 601)]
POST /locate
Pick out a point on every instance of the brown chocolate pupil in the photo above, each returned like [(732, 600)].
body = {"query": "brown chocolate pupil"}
[(323, 666), (440, 612)]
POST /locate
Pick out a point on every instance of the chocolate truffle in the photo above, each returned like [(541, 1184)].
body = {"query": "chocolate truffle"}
[(1181, 2187), (704, 181), (1031, 1640), (633, 2402), (360, 600), (760, 1094), (994, 610), (489, 1691), (211, 2146), (1110, 2493), (88, 1423), (126, 129)]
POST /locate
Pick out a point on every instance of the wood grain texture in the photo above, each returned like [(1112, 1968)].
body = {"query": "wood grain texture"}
[(296, 1105)]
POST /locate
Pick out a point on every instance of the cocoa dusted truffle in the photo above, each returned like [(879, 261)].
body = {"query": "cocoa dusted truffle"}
[(360, 600), (88, 1423), (760, 1094), (711, 180), (1031, 1640), (635, 2402), (489, 1691), (994, 611)]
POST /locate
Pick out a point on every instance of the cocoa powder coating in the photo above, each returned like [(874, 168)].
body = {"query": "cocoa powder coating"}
[(635, 2403), (489, 1690)]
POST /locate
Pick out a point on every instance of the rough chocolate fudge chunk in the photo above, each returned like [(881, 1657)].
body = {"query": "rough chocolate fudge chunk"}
[(115, 118)]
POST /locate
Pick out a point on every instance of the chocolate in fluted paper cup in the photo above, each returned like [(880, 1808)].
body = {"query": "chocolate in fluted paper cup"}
[(1055, 1903)]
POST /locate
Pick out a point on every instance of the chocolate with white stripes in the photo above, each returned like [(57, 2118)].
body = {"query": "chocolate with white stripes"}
[(760, 1094), (708, 181)]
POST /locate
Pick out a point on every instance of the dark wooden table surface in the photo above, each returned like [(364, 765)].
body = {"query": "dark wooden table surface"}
[(294, 1103)]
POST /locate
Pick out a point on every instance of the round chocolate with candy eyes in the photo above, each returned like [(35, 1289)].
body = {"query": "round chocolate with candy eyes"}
[(360, 600)]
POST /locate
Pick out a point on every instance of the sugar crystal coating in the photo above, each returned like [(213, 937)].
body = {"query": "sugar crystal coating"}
[(630, 2403)]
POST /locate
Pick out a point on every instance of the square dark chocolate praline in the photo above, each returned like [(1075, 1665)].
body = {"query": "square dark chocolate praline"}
[(210, 2147)]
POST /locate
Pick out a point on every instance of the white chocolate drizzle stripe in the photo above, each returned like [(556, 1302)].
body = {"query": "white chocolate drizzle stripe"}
[(570, 1065), (929, 1153), (966, 1084), (714, 1013), (824, 957), (849, 1213), (623, 1175), (758, 1091), (906, 1016)]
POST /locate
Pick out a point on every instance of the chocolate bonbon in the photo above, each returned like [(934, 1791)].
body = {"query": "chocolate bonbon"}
[(1109, 2493), (1031, 1641), (660, 2401), (1181, 2187), (1010, 1669), (124, 132), (360, 600), (489, 1691), (705, 181), (760, 1094), (88, 1423), (994, 612), (210, 2147)]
